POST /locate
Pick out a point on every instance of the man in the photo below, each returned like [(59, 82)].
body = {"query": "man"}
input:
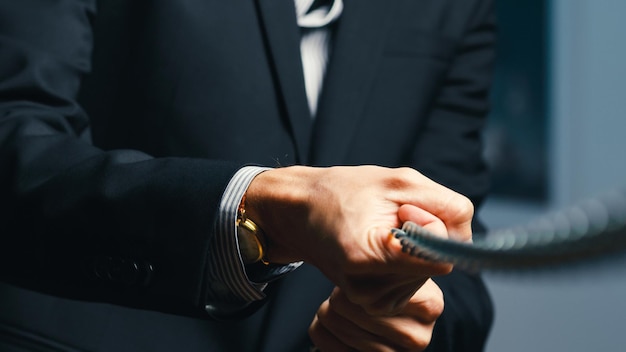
[(135, 136)]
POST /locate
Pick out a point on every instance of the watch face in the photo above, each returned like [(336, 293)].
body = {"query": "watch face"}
[(250, 246)]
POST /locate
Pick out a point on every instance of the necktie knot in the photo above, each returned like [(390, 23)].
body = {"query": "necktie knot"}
[(317, 13)]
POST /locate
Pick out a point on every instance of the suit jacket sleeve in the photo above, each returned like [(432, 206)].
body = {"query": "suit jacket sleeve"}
[(116, 226)]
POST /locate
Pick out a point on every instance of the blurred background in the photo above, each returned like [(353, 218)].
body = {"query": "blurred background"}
[(556, 136)]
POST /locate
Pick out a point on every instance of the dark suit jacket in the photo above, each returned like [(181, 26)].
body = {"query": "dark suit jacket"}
[(121, 122)]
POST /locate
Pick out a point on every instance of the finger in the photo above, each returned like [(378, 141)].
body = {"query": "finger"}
[(454, 209), (409, 212), (395, 300), (419, 268), (386, 292), (324, 340), (350, 333), (428, 305), (396, 261), (456, 212), (411, 329), (385, 296)]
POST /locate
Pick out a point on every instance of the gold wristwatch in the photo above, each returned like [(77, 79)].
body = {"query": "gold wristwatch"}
[(250, 237)]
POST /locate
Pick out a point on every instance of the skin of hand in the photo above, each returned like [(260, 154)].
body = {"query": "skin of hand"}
[(339, 219), (341, 325)]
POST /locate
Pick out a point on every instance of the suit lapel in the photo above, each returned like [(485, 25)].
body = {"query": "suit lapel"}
[(282, 36), (357, 51)]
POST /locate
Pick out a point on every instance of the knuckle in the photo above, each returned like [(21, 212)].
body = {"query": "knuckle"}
[(432, 309), (459, 212), (427, 305), (467, 207), (400, 178), (423, 343), (406, 172), (403, 178), (412, 340), (433, 305), (322, 318), (314, 331), (461, 206)]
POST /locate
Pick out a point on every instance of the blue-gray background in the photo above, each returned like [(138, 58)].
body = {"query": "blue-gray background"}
[(585, 154)]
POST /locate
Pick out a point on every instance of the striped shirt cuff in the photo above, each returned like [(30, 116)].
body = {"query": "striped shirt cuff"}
[(228, 280)]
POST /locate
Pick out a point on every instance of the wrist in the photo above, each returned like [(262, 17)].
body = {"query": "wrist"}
[(276, 200)]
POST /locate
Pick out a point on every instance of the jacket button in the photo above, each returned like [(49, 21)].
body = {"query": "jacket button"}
[(123, 271), (145, 273)]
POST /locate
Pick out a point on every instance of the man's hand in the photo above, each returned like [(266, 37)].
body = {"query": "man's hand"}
[(341, 325), (339, 220)]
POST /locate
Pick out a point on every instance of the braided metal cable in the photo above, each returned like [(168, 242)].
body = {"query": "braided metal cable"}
[(593, 229)]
